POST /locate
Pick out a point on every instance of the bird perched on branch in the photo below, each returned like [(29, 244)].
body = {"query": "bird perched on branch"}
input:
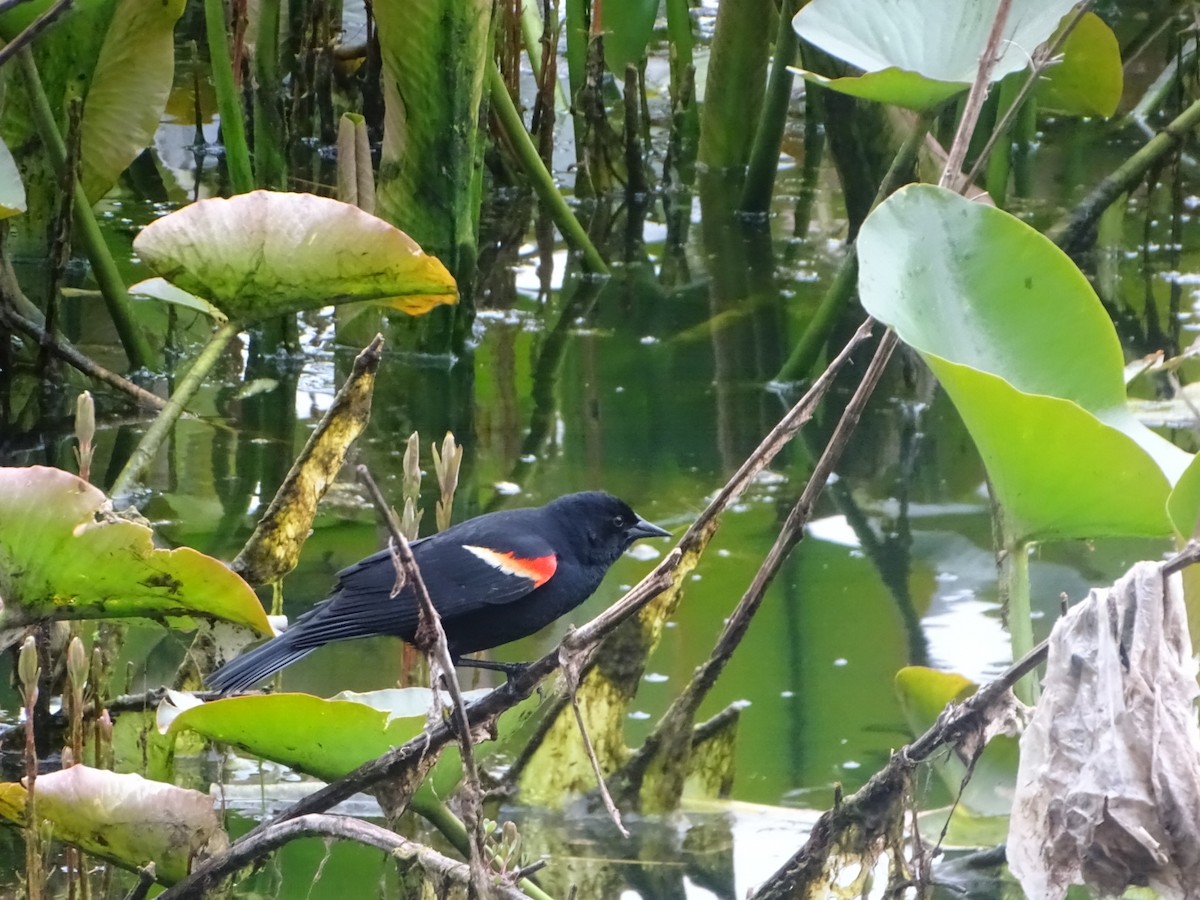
[(493, 579)]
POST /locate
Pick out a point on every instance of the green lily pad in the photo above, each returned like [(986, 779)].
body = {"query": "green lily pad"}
[(1090, 78), (323, 738), (919, 53), (1021, 344), (63, 555), (265, 253), (923, 694), (128, 90), (123, 818)]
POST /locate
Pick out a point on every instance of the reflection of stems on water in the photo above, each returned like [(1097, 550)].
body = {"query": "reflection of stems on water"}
[(1075, 231), (545, 381), (543, 184), (841, 289), (87, 229), (814, 153), (891, 555), (161, 426)]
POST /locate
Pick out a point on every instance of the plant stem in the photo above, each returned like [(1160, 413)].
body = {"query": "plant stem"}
[(233, 131), (543, 183), (1014, 590), (157, 432), (104, 267), (1072, 231), (268, 117), (441, 817), (764, 155)]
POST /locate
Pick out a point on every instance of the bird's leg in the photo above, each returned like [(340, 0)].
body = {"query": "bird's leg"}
[(510, 670)]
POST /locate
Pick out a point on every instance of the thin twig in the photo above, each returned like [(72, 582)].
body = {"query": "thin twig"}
[(1041, 61), (952, 173), (69, 354), (33, 29), (208, 874), (431, 638), (571, 671)]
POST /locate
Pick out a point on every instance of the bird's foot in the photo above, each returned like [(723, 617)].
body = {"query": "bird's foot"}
[(510, 670)]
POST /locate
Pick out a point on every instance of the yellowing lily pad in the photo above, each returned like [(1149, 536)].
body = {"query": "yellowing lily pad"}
[(123, 818), (64, 555), (266, 253)]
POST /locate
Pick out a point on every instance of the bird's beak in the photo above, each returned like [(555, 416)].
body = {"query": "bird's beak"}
[(644, 529)]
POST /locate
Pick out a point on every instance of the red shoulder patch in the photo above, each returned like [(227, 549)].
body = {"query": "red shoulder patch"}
[(537, 569)]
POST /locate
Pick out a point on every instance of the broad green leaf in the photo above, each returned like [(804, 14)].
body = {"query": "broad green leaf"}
[(1183, 505), (628, 27), (128, 90), (1089, 79), (323, 738), (64, 555), (123, 818), (265, 253), (923, 694), (12, 191), (918, 53), (1023, 347), (163, 290)]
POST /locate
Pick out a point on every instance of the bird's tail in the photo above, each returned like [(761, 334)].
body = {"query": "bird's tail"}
[(261, 662)]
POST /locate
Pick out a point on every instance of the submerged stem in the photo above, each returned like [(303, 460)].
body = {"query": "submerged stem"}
[(142, 455)]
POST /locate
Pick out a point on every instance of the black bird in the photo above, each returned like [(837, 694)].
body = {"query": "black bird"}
[(493, 579)]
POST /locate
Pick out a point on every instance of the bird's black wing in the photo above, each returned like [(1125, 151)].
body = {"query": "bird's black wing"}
[(462, 571)]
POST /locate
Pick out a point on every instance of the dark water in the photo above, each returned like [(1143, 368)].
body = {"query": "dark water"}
[(653, 386)]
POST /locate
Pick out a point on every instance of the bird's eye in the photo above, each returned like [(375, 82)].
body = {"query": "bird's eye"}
[(619, 521)]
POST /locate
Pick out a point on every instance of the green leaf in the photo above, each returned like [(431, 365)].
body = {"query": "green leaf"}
[(628, 27), (1021, 344), (162, 290), (923, 694), (1090, 79), (1183, 506), (64, 555), (128, 90), (323, 738), (264, 253), (918, 53), (123, 818)]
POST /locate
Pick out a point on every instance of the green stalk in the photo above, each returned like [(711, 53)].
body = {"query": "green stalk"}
[(268, 118), (1072, 231), (1014, 589), (737, 74), (764, 155), (543, 184), (681, 42), (577, 50), (233, 130), (104, 267), (440, 816), (841, 289), (146, 449)]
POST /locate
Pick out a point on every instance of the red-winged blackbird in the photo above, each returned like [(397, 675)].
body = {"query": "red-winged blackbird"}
[(493, 579)]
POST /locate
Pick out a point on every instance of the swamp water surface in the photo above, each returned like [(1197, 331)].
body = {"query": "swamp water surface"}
[(660, 389)]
